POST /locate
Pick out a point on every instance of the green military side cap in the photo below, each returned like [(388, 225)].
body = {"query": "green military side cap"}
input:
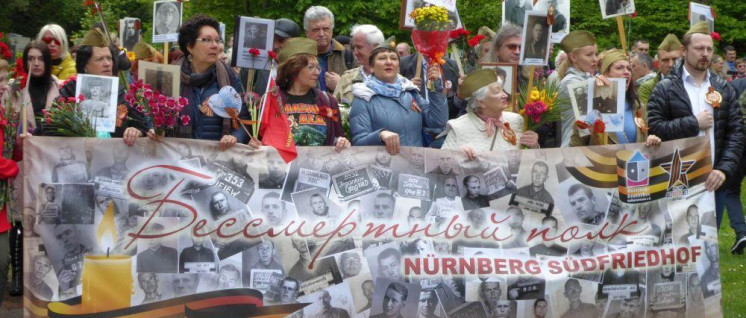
[(670, 43), (577, 39), (143, 50), (475, 81), (389, 43), (95, 37), (610, 57), (699, 28), (295, 46)]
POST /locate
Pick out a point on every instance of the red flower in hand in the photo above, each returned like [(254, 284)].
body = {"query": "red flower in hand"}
[(254, 52), (272, 55), (457, 33), (475, 40), (328, 112), (599, 127), (716, 36), (581, 124)]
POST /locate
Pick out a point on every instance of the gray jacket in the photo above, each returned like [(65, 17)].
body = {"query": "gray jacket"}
[(573, 75), (372, 113)]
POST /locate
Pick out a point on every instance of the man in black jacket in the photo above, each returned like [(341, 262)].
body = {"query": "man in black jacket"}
[(679, 108)]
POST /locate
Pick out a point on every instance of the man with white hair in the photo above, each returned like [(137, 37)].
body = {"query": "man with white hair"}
[(318, 22), (365, 37)]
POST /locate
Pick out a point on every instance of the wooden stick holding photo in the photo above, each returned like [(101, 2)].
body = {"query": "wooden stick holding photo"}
[(457, 55), (622, 36), (165, 52)]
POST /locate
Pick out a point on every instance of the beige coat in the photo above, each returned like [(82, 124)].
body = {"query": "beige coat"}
[(470, 130), (25, 99)]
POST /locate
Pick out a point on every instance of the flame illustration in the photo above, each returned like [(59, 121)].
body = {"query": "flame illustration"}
[(107, 231)]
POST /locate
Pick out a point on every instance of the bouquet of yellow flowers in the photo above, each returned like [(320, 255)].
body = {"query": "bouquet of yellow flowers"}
[(431, 33)]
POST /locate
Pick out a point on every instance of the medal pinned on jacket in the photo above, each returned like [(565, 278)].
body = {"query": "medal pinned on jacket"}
[(713, 98), (640, 122), (415, 107), (509, 135)]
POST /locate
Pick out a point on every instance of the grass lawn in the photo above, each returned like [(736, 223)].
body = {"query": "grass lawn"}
[(732, 270)]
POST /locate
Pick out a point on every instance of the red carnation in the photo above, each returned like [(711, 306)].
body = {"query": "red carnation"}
[(599, 127), (716, 36), (475, 40), (272, 55), (634, 14), (5, 50), (457, 33), (254, 52), (581, 124)]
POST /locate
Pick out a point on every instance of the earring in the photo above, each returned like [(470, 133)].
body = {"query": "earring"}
[(189, 57)]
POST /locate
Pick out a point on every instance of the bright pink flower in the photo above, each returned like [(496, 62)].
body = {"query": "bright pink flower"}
[(183, 101)]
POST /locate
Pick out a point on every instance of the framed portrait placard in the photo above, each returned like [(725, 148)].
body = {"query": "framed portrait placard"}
[(407, 6), (163, 78), (166, 21), (614, 8), (561, 25), (129, 32), (100, 104), (701, 13), (607, 103), (508, 72), (536, 39), (250, 34)]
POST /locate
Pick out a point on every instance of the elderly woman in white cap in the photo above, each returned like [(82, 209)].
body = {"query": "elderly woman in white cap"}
[(487, 126)]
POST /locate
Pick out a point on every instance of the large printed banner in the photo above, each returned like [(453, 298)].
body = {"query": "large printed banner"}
[(181, 229)]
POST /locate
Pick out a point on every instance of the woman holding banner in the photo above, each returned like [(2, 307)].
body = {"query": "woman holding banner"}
[(313, 113), (387, 109), (56, 38), (96, 57), (615, 64), (580, 65), (203, 75), (486, 126)]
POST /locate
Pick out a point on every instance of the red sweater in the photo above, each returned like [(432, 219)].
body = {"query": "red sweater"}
[(8, 169)]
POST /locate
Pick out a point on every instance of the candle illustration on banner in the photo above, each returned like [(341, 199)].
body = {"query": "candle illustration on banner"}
[(107, 279)]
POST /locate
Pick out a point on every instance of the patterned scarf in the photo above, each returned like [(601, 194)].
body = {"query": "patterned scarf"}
[(490, 123), (219, 71), (392, 90)]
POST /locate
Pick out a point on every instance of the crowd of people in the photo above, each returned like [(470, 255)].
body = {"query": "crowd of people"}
[(396, 100)]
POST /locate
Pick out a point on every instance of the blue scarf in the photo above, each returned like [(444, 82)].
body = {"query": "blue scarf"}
[(392, 90)]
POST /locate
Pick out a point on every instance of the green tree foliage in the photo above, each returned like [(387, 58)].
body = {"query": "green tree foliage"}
[(655, 18)]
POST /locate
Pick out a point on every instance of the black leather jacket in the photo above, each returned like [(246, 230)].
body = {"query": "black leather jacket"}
[(670, 117)]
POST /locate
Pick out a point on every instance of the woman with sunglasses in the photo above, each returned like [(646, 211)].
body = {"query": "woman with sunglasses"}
[(314, 114), (203, 75), (63, 65)]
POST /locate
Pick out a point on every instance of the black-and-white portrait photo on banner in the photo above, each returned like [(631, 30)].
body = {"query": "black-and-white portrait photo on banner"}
[(561, 25), (507, 72), (607, 104), (701, 13), (129, 32), (100, 104), (536, 35), (407, 6), (613, 8), (162, 77), (166, 21), (252, 33), (514, 11)]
